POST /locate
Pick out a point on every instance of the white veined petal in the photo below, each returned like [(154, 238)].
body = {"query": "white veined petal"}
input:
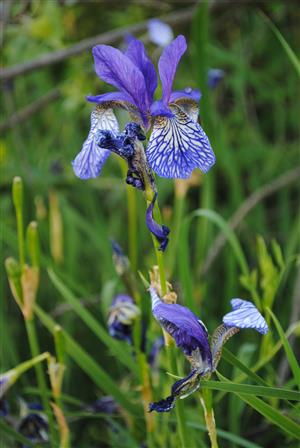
[(178, 145), (245, 315), (88, 163)]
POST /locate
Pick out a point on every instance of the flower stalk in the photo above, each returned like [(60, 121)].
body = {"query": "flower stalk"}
[(185, 442), (206, 402)]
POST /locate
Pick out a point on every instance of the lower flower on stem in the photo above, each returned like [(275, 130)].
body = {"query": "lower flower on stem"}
[(191, 337)]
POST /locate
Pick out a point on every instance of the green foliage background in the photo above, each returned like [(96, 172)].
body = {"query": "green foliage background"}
[(252, 120)]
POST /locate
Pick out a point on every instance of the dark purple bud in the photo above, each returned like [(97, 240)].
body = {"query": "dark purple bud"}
[(136, 183), (160, 232)]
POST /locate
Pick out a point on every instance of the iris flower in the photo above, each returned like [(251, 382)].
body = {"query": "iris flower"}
[(191, 336), (177, 143), (122, 315)]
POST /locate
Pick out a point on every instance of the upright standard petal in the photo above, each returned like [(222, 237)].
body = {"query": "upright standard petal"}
[(88, 163), (137, 54), (178, 145), (245, 315), (113, 67), (167, 65)]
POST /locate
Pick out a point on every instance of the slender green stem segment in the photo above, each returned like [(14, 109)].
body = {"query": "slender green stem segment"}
[(41, 380), (206, 402), (132, 227), (185, 442)]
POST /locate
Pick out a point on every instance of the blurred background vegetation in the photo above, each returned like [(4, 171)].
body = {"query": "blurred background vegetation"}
[(252, 119)]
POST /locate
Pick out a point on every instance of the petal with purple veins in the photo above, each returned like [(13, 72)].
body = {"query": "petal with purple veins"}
[(167, 65), (89, 162), (178, 145), (244, 314)]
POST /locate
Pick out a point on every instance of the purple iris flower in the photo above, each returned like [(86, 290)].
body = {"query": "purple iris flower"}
[(122, 315), (177, 144), (34, 424), (191, 337), (185, 327)]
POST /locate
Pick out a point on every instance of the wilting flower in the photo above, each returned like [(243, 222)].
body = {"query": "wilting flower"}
[(191, 337), (122, 315), (159, 32), (177, 143), (215, 75), (160, 232)]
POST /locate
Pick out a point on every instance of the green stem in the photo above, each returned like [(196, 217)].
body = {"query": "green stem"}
[(183, 434), (41, 380), (132, 227), (179, 207), (206, 402), (185, 441)]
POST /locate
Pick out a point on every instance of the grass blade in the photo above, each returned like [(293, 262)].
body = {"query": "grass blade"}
[(12, 433), (288, 50), (184, 262), (233, 360), (226, 435), (288, 350), (88, 365), (273, 392), (269, 412)]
